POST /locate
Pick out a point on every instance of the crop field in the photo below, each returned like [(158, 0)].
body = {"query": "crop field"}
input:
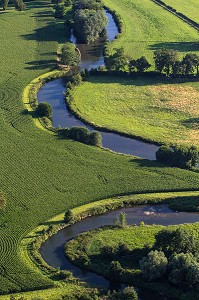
[(188, 8), (41, 175), (161, 111), (148, 27)]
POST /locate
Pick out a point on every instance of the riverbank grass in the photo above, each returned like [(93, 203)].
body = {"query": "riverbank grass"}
[(159, 110)]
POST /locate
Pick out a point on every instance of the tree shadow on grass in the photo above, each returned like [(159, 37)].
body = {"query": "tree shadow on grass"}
[(179, 46), (41, 64), (191, 123), (145, 163)]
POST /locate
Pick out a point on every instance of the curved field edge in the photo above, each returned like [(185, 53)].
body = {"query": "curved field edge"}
[(153, 110), (41, 233), (29, 96)]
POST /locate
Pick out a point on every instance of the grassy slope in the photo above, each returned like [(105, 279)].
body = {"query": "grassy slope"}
[(188, 8), (148, 27), (157, 111), (41, 175)]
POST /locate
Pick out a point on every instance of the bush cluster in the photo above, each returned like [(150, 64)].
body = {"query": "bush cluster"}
[(179, 156), (174, 258)]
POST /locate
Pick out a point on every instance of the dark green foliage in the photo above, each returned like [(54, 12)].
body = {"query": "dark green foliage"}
[(123, 249), (68, 217), (179, 156), (115, 270), (128, 293), (95, 139), (4, 4), (60, 10), (154, 266), (189, 63), (69, 55), (76, 79), (141, 64), (80, 134), (118, 61), (89, 24), (107, 252), (164, 60), (20, 5), (176, 241), (87, 4), (184, 270), (44, 109)]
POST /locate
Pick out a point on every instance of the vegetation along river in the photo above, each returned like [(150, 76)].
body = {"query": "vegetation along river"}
[(53, 93), (53, 249)]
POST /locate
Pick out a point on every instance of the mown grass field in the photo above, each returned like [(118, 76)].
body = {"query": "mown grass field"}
[(188, 8), (42, 175), (148, 27), (162, 111)]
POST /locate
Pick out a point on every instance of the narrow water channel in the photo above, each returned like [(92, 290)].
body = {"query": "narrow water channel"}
[(53, 249)]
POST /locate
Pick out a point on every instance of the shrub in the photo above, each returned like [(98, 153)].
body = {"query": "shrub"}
[(176, 241), (154, 266), (95, 139), (69, 54), (184, 270), (80, 134), (44, 109), (60, 10), (20, 5), (115, 270), (68, 217)]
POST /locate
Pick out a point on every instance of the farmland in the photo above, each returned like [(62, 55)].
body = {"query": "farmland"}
[(158, 110), (41, 175), (148, 27), (189, 9)]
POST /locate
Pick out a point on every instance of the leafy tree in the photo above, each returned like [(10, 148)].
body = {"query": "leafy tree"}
[(95, 139), (165, 59), (4, 4), (176, 241), (177, 68), (89, 24), (140, 64), (179, 156), (20, 5), (80, 134), (154, 266), (69, 55), (164, 154), (115, 269), (128, 293), (68, 216), (184, 270), (190, 62), (87, 4), (44, 109), (60, 10), (76, 79), (118, 61)]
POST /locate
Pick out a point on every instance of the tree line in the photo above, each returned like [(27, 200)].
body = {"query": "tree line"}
[(167, 61), (18, 4)]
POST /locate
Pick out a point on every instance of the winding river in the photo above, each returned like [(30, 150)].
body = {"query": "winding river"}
[(53, 249), (53, 93)]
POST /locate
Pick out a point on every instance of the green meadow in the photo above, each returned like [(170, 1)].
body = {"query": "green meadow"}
[(41, 175), (188, 8), (157, 110), (148, 27)]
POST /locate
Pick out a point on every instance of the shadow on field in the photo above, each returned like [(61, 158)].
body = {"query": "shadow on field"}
[(138, 81), (40, 64), (192, 123), (148, 163), (179, 46), (48, 33)]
